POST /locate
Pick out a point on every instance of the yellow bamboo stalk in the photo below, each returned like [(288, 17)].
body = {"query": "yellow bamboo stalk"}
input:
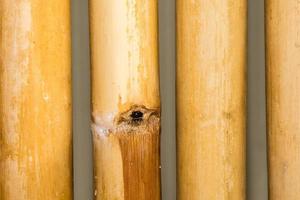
[(211, 46), (35, 100), (283, 97), (125, 99)]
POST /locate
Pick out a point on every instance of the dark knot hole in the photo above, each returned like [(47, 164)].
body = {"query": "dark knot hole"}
[(137, 116)]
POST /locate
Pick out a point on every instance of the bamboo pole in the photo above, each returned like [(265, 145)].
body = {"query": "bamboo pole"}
[(125, 99), (283, 97), (211, 48), (35, 107)]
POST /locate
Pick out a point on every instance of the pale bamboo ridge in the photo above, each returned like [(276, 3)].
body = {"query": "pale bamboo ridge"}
[(125, 99), (35, 100), (283, 98), (211, 49)]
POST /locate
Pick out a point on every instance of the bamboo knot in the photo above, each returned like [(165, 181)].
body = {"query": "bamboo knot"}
[(137, 116), (137, 119)]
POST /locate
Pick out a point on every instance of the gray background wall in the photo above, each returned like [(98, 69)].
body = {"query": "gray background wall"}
[(256, 136)]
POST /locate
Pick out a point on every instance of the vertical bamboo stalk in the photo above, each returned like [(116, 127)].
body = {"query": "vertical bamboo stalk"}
[(211, 46), (125, 99), (35, 100), (283, 97)]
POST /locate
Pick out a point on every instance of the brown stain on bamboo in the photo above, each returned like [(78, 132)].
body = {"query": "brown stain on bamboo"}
[(137, 145), (35, 100), (211, 90), (283, 94), (124, 81)]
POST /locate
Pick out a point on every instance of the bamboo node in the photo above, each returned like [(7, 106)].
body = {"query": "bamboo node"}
[(137, 115), (138, 119)]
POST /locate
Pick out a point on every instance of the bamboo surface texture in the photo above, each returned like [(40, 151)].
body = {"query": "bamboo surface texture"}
[(35, 100), (211, 48), (125, 99), (283, 98)]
